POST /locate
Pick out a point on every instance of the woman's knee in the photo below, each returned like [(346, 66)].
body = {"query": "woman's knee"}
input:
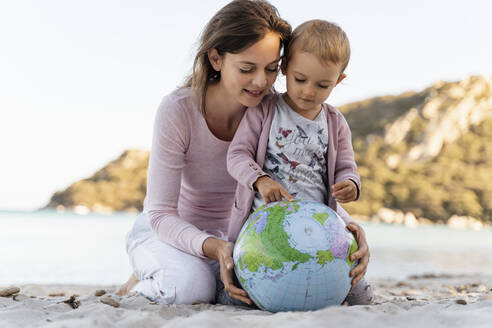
[(197, 286), (170, 276), (194, 283)]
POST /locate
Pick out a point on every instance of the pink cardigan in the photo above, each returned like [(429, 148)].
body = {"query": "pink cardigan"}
[(246, 156)]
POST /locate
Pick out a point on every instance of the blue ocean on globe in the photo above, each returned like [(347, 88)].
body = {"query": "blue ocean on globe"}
[(294, 256)]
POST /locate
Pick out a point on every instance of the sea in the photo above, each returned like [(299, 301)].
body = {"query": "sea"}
[(49, 247)]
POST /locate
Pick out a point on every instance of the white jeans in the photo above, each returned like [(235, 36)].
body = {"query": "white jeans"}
[(166, 274)]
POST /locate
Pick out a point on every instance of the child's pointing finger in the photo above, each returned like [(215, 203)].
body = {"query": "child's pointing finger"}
[(286, 195)]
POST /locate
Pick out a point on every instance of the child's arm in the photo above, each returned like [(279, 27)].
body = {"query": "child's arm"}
[(241, 163), (347, 181)]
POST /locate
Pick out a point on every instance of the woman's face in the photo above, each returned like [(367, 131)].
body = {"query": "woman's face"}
[(249, 75)]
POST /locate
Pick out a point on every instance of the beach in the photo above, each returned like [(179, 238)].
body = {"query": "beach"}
[(430, 276), (418, 301)]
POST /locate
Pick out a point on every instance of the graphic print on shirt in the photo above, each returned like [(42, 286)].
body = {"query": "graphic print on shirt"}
[(324, 145), (296, 154), (285, 133), (278, 145), (302, 134), (276, 170), (293, 164), (316, 159), (272, 159)]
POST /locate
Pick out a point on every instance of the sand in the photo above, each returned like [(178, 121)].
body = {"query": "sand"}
[(418, 301)]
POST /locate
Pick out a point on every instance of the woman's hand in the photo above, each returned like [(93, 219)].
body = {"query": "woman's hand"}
[(362, 254), (271, 190), (221, 251)]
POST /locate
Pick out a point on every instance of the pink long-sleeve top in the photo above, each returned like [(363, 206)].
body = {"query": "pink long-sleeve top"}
[(189, 191)]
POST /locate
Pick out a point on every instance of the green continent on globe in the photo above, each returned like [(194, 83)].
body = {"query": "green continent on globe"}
[(271, 247), (324, 256), (353, 248), (255, 253), (241, 264), (321, 218)]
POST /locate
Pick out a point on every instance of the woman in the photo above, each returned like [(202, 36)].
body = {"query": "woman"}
[(177, 246)]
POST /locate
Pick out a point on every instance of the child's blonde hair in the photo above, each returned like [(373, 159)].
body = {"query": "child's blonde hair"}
[(325, 40)]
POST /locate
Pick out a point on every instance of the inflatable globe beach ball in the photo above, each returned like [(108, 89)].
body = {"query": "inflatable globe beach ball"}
[(294, 256)]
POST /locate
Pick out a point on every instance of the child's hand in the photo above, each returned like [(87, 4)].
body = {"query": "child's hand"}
[(345, 191), (271, 190)]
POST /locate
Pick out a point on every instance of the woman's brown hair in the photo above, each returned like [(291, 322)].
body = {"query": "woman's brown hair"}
[(234, 28)]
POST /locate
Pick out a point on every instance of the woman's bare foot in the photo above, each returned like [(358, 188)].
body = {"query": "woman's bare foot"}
[(127, 286)]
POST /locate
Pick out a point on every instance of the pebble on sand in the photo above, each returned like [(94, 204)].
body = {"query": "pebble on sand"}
[(73, 301), (99, 292), (19, 297), (9, 291), (109, 301)]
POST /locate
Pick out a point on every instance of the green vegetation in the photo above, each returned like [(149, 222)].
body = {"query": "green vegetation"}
[(458, 181), (370, 116)]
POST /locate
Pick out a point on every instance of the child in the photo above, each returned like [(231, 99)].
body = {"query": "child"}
[(294, 144)]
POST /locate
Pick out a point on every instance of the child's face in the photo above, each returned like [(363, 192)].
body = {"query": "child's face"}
[(310, 82)]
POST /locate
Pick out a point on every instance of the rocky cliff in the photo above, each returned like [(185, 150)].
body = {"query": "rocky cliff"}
[(428, 152), (118, 186)]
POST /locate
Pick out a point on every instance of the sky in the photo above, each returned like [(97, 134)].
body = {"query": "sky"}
[(80, 81)]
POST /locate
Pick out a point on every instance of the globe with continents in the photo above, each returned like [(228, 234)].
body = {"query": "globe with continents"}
[(294, 256)]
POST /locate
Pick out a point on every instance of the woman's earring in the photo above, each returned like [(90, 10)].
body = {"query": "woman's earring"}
[(215, 76)]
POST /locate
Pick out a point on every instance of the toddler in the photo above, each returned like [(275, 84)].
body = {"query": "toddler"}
[(295, 145)]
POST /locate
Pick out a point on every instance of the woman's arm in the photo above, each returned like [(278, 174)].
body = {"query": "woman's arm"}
[(221, 251), (167, 159)]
